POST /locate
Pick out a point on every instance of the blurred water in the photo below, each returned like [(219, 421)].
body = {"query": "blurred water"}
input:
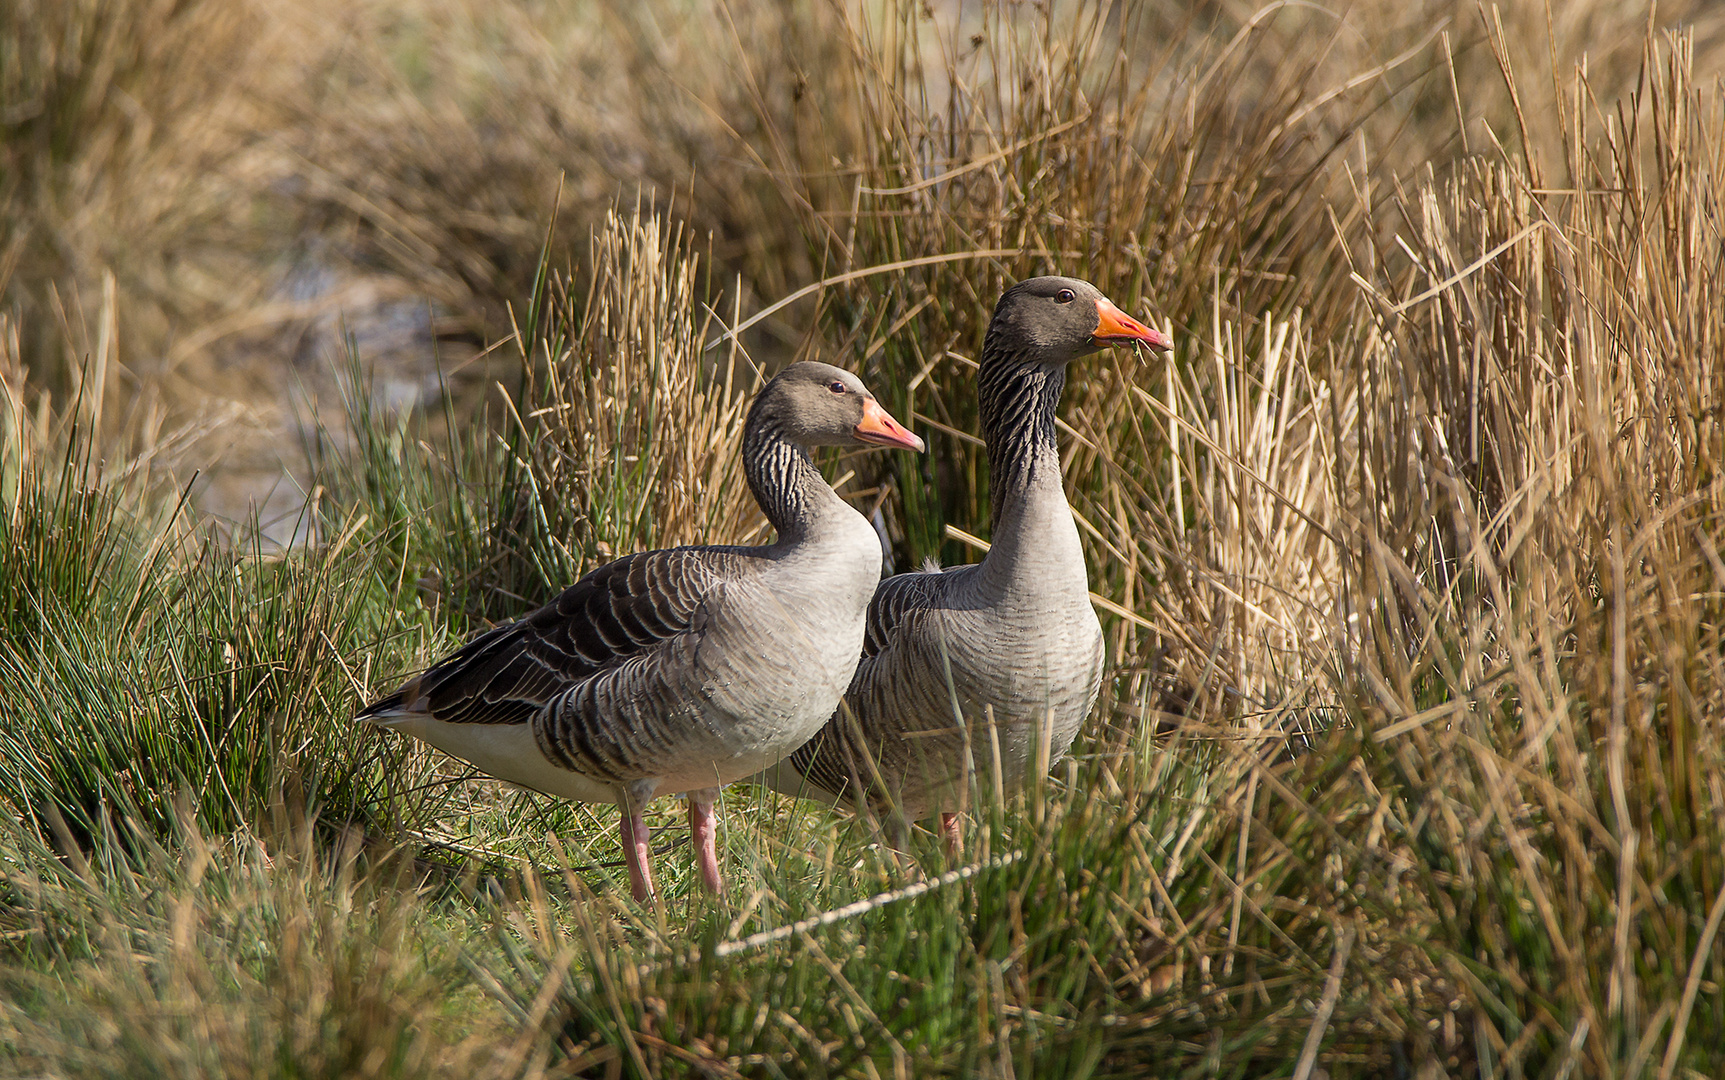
[(257, 473)]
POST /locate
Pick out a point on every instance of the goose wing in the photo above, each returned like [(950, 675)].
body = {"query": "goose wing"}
[(621, 610), (899, 602)]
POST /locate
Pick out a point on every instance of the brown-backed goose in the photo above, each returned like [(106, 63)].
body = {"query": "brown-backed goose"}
[(1016, 631), (685, 669)]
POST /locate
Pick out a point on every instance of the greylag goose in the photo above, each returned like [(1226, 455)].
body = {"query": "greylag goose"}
[(685, 669), (1013, 636)]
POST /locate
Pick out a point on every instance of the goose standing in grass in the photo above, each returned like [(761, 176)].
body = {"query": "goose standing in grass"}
[(686, 669), (1013, 636)]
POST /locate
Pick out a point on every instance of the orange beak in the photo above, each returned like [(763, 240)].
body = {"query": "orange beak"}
[(1115, 327), (878, 427)]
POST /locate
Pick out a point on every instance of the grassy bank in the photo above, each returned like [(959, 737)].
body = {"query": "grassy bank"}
[(1409, 764)]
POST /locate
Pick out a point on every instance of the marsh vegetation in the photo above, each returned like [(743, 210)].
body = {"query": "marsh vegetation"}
[(1409, 762)]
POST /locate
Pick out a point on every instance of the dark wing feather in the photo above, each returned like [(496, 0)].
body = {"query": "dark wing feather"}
[(898, 599), (620, 610)]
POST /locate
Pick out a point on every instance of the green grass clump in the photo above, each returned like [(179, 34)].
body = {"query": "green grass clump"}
[(269, 956)]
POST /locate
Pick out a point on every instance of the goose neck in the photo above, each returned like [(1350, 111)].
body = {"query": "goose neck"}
[(1016, 399), (785, 482), (1036, 553)]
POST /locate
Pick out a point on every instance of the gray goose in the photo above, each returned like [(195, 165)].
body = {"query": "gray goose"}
[(1016, 631), (685, 669)]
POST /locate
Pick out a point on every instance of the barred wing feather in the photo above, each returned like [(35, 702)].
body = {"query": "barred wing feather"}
[(622, 610)]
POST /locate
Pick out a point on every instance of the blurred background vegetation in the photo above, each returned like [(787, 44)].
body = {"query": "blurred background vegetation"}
[(330, 332)]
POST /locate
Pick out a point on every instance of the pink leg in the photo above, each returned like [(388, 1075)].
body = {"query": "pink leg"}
[(637, 849), (705, 837), (952, 832)]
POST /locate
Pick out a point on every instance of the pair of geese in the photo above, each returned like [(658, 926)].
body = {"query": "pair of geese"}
[(681, 671)]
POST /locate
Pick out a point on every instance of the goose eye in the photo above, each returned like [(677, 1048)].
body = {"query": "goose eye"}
[(1065, 296), (836, 386)]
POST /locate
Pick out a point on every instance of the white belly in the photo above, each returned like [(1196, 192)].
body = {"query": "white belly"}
[(507, 751)]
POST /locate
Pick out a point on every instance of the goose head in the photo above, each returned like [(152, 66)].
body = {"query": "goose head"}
[(813, 404), (1056, 320)]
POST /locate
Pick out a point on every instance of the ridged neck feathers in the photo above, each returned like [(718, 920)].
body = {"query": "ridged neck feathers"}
[(1016, 402), (790, 490)]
